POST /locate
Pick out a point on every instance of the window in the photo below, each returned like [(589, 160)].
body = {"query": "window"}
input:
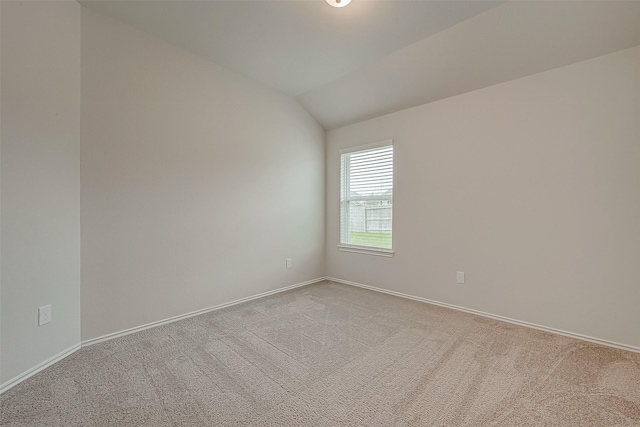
[(366, 198)]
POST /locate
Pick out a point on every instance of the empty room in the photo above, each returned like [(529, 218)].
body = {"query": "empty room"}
[(319, 213)]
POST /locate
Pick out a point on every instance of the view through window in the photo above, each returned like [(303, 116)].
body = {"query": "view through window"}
[(366, 196)]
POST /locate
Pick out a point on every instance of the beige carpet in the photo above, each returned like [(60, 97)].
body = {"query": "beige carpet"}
[(334, 355)]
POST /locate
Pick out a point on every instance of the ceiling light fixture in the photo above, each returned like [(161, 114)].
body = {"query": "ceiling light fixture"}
[(338, 3)]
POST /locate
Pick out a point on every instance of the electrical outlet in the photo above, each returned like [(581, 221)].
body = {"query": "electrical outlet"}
[(289, 264), (44, 315), (460, 277)]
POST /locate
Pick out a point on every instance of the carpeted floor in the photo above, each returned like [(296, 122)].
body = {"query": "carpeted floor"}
[(333, 355)]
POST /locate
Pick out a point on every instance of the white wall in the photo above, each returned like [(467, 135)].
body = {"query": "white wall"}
[(531, 187), (196, 182), (40, 227)]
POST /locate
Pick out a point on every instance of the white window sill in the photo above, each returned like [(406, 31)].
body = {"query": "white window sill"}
[(367, 250)]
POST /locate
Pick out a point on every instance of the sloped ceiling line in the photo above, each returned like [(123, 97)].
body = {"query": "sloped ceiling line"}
[(376, 57)]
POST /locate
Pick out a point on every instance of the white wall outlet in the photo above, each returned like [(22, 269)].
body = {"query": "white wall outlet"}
[(44, 315), (289, 264), (460, 276)]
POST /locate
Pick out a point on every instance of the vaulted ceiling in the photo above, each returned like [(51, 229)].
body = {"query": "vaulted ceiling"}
[(375, 57)]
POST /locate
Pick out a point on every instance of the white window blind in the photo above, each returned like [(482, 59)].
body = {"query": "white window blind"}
[(366, 196)]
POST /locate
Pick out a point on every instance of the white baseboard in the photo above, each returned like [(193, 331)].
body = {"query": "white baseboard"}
[(52, 360), (193, 313), (17, 380), (39, 367), (494, 316)]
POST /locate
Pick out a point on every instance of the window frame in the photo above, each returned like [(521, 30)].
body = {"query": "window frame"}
[(348, 247)]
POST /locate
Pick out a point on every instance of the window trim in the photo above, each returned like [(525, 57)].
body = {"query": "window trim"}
[(367, 250), (363, 147)]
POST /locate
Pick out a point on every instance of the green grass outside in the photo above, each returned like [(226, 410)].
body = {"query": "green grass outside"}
[(379, 240)]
